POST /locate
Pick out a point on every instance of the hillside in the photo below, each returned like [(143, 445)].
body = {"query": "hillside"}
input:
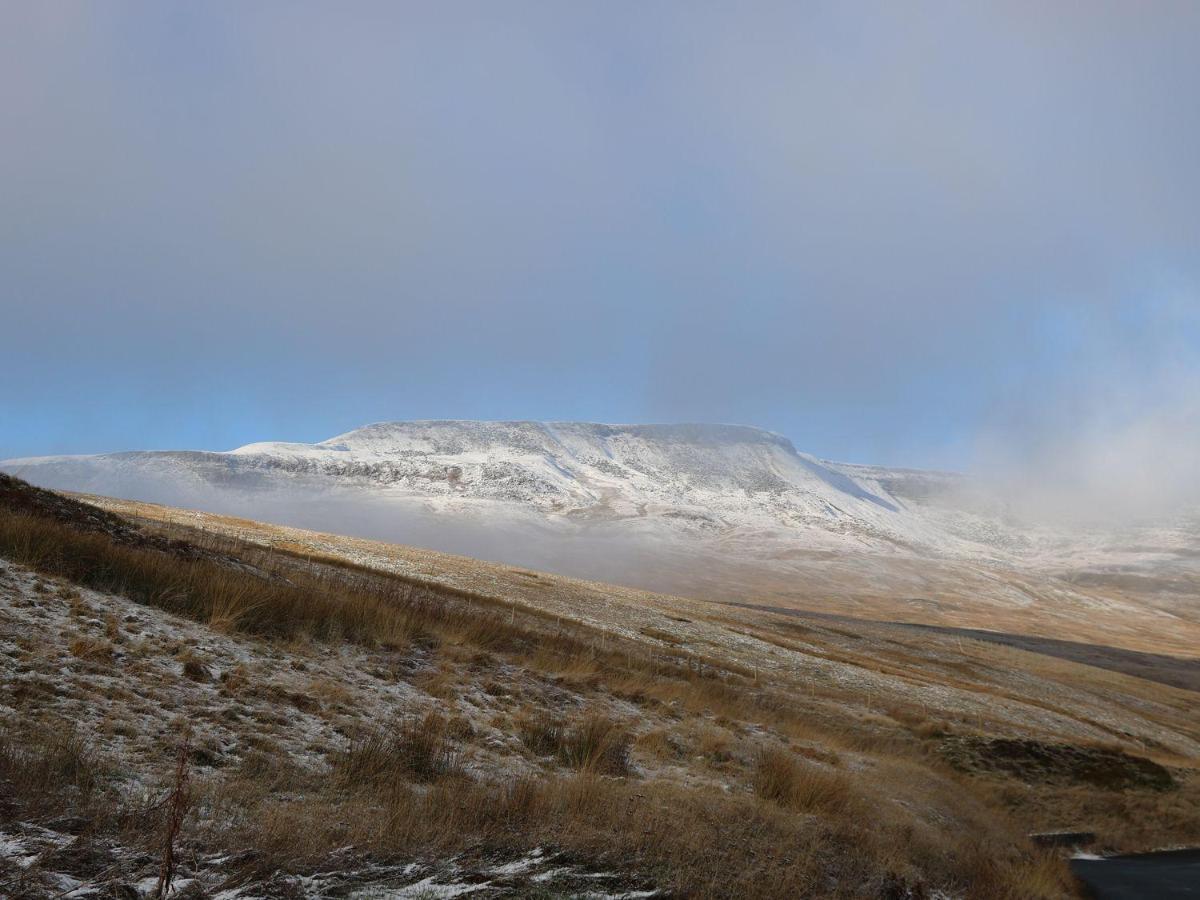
[(361, 719)]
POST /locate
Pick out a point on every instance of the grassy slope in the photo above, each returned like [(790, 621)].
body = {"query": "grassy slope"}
[(480, 709)]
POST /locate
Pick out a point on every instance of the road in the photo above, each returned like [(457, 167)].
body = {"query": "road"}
[(1142, 876)]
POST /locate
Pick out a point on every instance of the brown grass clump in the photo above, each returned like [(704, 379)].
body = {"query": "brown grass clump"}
[(780, 777), (329, 693), (92, 649), (596, 744), (413, 750), (48, 769), (235, 680), (715, 744), (540, 733), (459, 728), (195, 669), (660, 744)]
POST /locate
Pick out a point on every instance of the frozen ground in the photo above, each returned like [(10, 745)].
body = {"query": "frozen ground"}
[(37, 861)]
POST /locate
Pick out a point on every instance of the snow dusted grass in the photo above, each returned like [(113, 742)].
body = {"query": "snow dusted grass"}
[(413, 751), (747, 756), (198, 588)]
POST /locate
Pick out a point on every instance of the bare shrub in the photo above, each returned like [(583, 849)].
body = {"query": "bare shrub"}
[(175, 807)]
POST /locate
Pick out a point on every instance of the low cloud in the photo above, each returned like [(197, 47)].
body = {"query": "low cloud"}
[(1115, 437)]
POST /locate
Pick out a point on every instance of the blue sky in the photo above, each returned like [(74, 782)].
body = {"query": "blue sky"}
[(929, 235)]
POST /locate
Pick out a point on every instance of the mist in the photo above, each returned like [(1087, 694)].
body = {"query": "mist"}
[(1114, 438)]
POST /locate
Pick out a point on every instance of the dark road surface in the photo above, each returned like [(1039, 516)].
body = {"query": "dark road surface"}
[(1142, 876)]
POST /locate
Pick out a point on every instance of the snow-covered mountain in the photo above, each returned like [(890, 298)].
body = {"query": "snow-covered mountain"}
[(716, 511), (681, 479)]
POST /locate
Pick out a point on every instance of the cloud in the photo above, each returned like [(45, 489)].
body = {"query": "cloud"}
[(226, 223)]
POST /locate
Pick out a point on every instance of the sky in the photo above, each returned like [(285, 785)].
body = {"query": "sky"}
[(930, 234)]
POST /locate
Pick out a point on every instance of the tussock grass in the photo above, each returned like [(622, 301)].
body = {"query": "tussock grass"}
[(747, 822), (194, 668), (48, 769), (283, 595), (412, 750), (597, 745), (89, 648), (699, 843), (540, 732), (592, 743), (702, 843), (780, 777)]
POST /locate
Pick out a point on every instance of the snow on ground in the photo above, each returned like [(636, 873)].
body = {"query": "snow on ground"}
[(33, 859), (115, 671)]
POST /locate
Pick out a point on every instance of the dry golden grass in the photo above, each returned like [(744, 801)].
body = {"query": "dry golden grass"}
[(808, 787), (414, 750), (595, 744), (539, 732), (48, 769), (660, 744), (695, 842), (198, 588), (776, 805), (90, 648), (329, 692)]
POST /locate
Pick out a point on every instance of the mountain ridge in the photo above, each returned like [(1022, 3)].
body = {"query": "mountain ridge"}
[(461, 485), (716, 512), (708, 475)]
